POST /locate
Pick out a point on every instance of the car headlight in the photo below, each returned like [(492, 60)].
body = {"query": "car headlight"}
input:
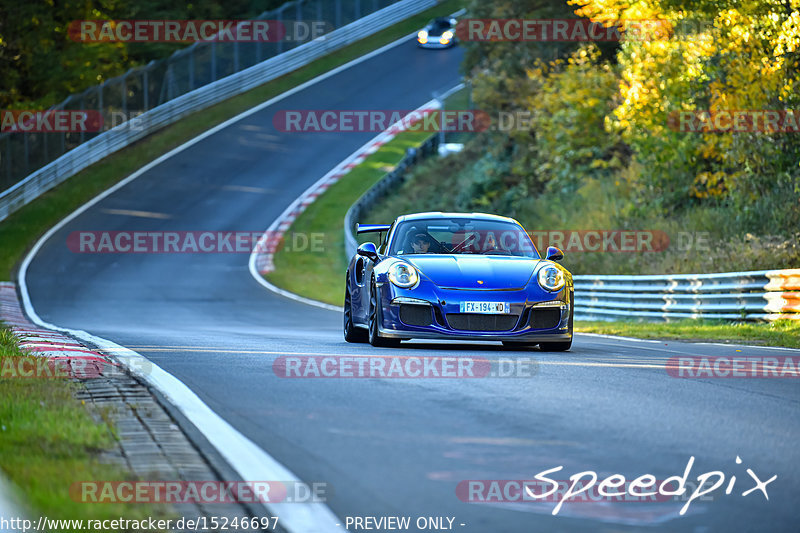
[(422, 35), (551, 278), (403, 275), (447, 35)]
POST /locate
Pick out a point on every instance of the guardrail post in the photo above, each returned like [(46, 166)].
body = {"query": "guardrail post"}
[(25, 149), (191, 69), (124, 95), (99, 105), (146, 89), (8, 158), (213, 61), (279, 18)]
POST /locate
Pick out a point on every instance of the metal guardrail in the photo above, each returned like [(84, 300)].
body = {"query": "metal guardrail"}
[(108, 142), (145, 87), (758, 295), (387, 183)]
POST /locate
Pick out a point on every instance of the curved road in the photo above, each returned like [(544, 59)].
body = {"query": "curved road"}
[(391, 447)]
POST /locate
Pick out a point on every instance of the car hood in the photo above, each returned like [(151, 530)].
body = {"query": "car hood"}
[(465, 271)]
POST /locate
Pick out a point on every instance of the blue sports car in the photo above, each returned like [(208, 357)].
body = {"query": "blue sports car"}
[(461, 276)]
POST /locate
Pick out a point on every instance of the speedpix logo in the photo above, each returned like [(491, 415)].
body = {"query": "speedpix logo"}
[(587, 486)]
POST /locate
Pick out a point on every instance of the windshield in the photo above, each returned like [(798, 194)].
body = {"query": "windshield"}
[(462, 236), (438, 26)]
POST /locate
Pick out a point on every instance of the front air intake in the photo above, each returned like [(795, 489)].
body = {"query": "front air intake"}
[(478, 322)]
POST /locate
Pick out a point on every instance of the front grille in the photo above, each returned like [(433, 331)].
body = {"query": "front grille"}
[(545, 318), (415, 315), (478, 322)]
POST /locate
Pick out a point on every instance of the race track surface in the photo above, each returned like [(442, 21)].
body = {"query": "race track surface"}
[(399, 447)]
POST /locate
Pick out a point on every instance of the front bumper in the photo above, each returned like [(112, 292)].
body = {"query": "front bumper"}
[(435, 44), (525, 322)]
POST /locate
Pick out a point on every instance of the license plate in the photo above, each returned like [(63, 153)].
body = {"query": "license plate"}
[(486, 308)]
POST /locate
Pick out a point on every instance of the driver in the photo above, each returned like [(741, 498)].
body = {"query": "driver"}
[(421, 243)]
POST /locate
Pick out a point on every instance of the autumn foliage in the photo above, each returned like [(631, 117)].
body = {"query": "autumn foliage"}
[(604, 113)]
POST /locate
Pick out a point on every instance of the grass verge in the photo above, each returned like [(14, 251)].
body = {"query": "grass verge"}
[(320, 274), (778, 333), (22, 228), (49, 441)]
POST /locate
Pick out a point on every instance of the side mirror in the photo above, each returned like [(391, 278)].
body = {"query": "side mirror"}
[(368, 250), (554, 254)]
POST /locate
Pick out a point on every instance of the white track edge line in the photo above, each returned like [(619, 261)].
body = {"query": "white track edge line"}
[(229, 442), (686, 341)]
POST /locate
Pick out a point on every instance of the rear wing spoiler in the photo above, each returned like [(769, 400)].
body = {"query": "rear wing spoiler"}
[(372, 228)]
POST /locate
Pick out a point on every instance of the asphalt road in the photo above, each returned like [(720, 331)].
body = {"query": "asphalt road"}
[(399, 447)]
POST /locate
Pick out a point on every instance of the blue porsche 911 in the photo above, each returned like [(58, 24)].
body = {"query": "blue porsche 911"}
[(461, 276)]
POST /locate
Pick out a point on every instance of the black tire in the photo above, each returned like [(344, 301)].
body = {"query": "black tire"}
[(352, 333), (375, 338), (566, 345), (555, 346), (518, 345)]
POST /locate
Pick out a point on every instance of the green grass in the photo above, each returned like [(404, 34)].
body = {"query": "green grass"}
[(778, 333), (49, 441), (21, 229), (320, 274)]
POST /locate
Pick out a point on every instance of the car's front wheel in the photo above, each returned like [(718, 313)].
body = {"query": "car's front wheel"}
[(351, 332), (375, 338)]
